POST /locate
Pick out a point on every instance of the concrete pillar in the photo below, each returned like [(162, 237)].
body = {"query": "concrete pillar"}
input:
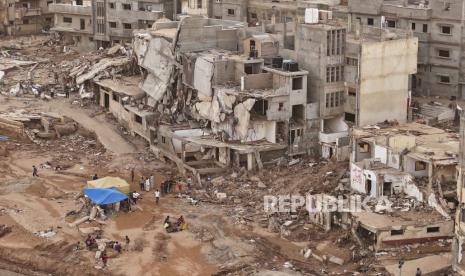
[(250, 161), (430, 178)]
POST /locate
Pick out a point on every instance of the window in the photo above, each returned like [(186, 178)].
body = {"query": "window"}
[(370, 21), (25, 21), (425, 28), (432, 229), (397, 232), (444, 79), (335, 42), (115, 97), (231, 12), (444, 53), (297, 83), (447, 30), (281, 107), (413, 26), (163, 139), (126, 6), (79, 2), (391, 23), (100, 9), (334, 73), (253, 15), (351, 61), (26, 5), (420, 166), (218, 17), (82, 24), (112, 5), (91, 39), (100, 26), (363, 147), (334, 99), (112, 24), (67, 20), (138, 119), (349, 117), (199, 4), (127, 26)]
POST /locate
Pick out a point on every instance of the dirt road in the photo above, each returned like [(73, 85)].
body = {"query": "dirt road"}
[(105, 132)]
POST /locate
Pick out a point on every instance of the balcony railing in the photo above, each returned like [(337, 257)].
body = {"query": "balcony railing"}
[(70, 9)]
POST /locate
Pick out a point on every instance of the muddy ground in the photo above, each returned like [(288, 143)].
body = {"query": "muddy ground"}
[(214, 243), (233, 236)]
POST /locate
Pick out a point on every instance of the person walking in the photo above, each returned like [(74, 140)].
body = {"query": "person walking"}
[(157, 196), (418, 273), (34, 171), (132, 175)]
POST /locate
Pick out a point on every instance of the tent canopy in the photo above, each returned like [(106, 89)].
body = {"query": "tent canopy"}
[(101, 196), (110, 182)]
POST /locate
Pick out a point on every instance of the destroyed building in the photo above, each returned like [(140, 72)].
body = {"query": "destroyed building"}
[(411, 159), (225, 107), (25, 17)]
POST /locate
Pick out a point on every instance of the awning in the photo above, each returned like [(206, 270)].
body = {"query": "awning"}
[(104, 196), (110, 182)]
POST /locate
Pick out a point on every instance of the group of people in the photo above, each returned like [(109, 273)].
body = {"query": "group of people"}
[(147, 184), (91, 243), (179, 225)]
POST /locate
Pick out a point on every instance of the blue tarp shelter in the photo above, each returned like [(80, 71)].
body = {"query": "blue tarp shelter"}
[(101, 196)]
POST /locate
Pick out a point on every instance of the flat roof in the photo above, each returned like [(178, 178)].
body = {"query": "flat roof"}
[(128, 86), (431, 144), (376, 222)]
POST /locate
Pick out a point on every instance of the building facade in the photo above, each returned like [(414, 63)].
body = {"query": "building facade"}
[(438, 25)]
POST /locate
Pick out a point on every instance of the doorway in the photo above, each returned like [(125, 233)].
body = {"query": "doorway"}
[(368, 186), (387, 188), (107, 100)]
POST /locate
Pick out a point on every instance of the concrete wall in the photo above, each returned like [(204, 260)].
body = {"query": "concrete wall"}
[(384, 78), (415, 234), (197, 34)]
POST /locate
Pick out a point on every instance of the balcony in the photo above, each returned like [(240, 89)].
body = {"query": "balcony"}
[(331, 138), (32, 12), (121, 32), (70, 9), (411, 12), (133, 16)]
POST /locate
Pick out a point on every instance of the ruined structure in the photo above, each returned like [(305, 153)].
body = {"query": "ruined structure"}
[(25, 17)]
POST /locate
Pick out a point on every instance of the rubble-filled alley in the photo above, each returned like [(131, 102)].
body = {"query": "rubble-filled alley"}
[(198, 145)]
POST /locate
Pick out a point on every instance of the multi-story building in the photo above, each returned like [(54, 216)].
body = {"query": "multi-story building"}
[(94, 24), (74, 22), (26, 17), (438, 26)]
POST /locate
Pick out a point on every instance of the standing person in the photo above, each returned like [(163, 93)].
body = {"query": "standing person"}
[(147, 184), (152, 181), (104, 259), (132, 175), (34, 171), (189, 183), (157, 196), (418, 273), (142, 183), (168, 186), (95, 177), (126, 243)]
